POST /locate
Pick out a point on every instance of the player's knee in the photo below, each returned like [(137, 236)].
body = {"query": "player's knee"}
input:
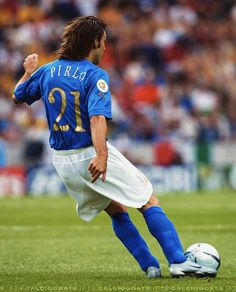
[(115, 208), (153, 201)]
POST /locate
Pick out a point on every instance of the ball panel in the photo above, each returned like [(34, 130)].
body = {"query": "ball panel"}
[(217, 259)]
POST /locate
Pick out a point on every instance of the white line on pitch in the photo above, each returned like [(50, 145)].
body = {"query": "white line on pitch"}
[(99, 227), (33, 227)]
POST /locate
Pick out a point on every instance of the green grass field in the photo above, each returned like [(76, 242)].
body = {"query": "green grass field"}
[(45, 247)]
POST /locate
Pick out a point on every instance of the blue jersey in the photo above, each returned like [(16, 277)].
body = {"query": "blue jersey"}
[(72, 92)]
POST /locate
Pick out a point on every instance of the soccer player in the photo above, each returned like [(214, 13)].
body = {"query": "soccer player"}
[(76, 96)]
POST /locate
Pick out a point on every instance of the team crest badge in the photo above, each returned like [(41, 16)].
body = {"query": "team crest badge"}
[(102, 85)]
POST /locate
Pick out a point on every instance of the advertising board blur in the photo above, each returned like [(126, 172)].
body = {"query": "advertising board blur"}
[(172, 178), (44, 181), (12, 181)]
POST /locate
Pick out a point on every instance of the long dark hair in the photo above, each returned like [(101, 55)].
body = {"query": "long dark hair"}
[(79, 37)]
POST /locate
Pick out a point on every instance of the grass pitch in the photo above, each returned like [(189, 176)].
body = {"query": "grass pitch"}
[(44, 246)]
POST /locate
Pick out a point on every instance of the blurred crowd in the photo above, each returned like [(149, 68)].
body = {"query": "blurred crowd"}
[(172, 68)]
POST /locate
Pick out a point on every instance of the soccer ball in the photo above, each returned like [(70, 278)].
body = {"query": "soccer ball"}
[(205, 255)]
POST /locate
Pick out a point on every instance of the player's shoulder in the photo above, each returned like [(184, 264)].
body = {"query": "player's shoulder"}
[(97, 71), (99, 77), (40, 70), (48, 65)]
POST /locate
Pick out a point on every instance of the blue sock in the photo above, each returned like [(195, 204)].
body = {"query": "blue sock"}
[(128, 234), (165, 233)]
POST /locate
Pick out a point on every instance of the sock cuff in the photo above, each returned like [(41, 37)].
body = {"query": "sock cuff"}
[(121, 217), (152, 210)]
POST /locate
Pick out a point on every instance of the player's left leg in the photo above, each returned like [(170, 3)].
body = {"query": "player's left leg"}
[(129, 235)]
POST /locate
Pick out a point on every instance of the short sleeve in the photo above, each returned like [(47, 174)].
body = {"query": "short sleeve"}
[(98, 93), (29, 91)]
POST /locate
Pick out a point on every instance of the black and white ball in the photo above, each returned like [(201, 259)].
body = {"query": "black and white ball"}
[(204, 254)]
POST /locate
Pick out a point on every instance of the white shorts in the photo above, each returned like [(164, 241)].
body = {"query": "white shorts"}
[(124, 184)]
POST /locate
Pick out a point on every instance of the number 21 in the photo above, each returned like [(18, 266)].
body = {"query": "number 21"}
[(66, 127)]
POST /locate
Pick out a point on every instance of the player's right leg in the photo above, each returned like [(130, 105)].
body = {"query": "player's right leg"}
[(164, 231), (128, 234)]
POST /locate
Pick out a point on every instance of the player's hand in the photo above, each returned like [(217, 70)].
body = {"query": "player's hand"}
[(31, 64), (98, 166)]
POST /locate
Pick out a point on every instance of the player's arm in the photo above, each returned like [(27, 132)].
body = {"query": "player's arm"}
[(99, 110), (30, 65), (98, 164)]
